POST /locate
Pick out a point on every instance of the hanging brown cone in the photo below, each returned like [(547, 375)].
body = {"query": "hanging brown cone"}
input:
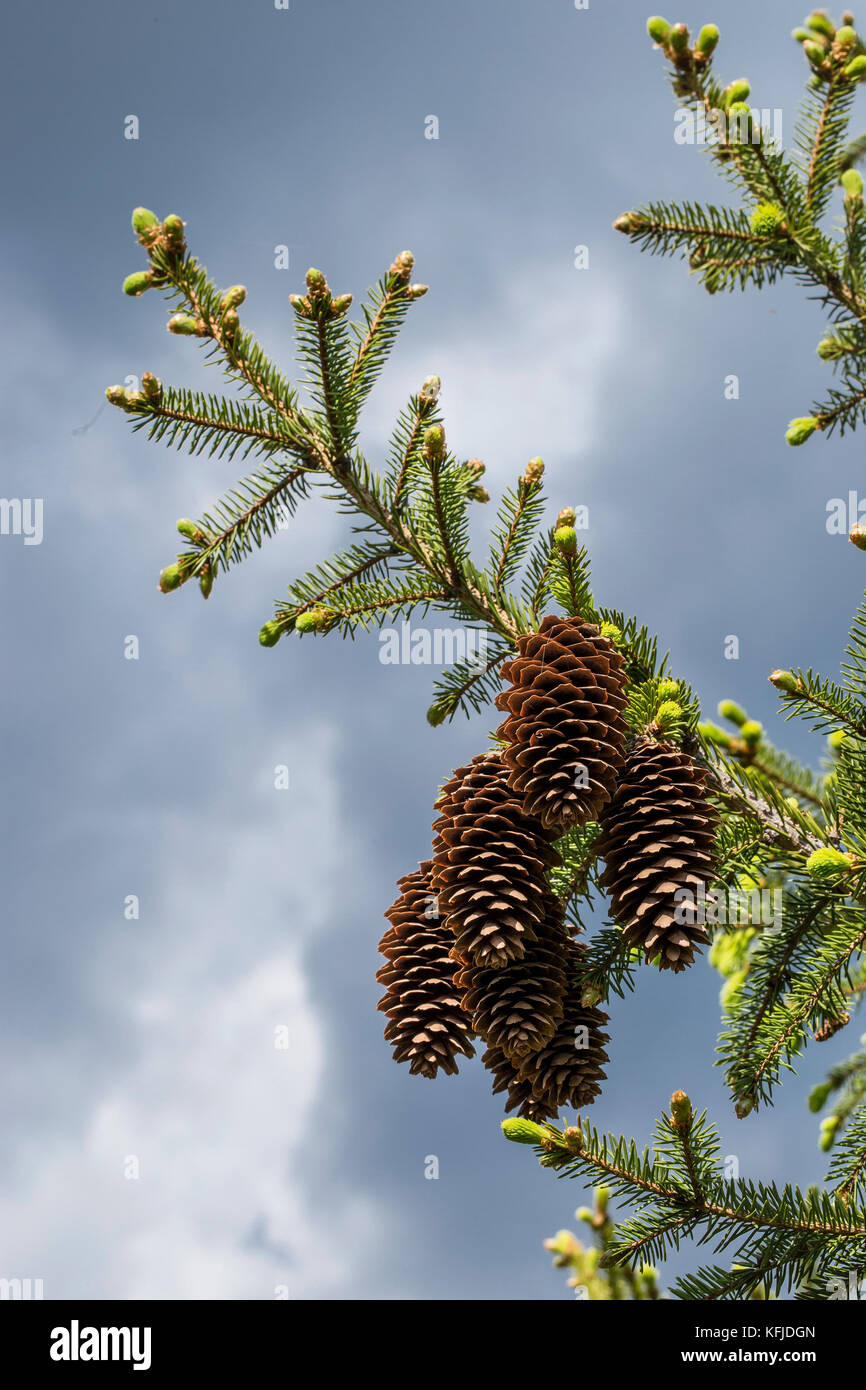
[(564, 728), (566, 1072), (505, 1078), (568, 1069), (427, 1028), (657, 844), (517, 1008), (489, 866)]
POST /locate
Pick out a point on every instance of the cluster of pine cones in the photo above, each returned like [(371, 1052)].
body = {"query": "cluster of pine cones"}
[(478, 946)]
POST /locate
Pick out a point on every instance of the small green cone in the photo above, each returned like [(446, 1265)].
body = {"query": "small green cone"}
[(828, 863), (819, 23), (668, 690), (479, 494), (436, 715), (729, 709), (171, 578), (301, 305), (784, 680), (187, 528), (767, 219), (856, 68), (752, 733), (658, 28), (142, 218), (565, 538), (205, 580), (270, 634), (801, 429), (800, 34), (136, 283), (401, 267), (416, 291), (430, 389), (837, 739), (340, 305), (566, 517), (818, 1096), (713, 734), (115, 395), (707, 39), (852, 183), (830, 349), (816, 55), (828, 1133), (230, 323), (533, 472), (524, 1132)]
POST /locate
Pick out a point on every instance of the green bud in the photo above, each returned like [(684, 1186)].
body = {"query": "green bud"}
[(230, 323), (828, 863), (852, 183), (729, 709), (437, 714), (752, 732), (430, 389), (205, 580), (801, 429), (735, 91), (846, 37), (801, 35), (815, 53), (678, 38), (270, 634), (767, 219), (416, 291), (784, 680), (476, 467), (572, 1137), (857, 536), (837, 739), (133, 398), (533, 472), (116, 395), (658, 28), (827, 1133), (479, 494), (744, 1107), (612, 633), (681, 1110), (820, 24), (186, 325), (171, 578), (566, 517), (187, 528), (566, 540), (137, 283), (818, 1096), (707, 39), (731, 988), (602, 1198), (668, 690), (667, 714), (585, 1214), (151, 386), (172, 231), (856, 68), (315, 620), (317, 285), (340, 305), (142, 218), (434, 444), (233, 298), (301, 305), (830, 349), (524, 1132), (401, 267), (627, 222)]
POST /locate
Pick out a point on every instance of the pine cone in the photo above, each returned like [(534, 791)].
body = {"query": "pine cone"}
[(657, 842), (564, 726), (566, 1071), (428, 1027), (489, 866), (517, 1008)]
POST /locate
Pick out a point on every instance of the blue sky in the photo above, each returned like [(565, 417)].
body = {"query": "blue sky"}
[(152, 1039)]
